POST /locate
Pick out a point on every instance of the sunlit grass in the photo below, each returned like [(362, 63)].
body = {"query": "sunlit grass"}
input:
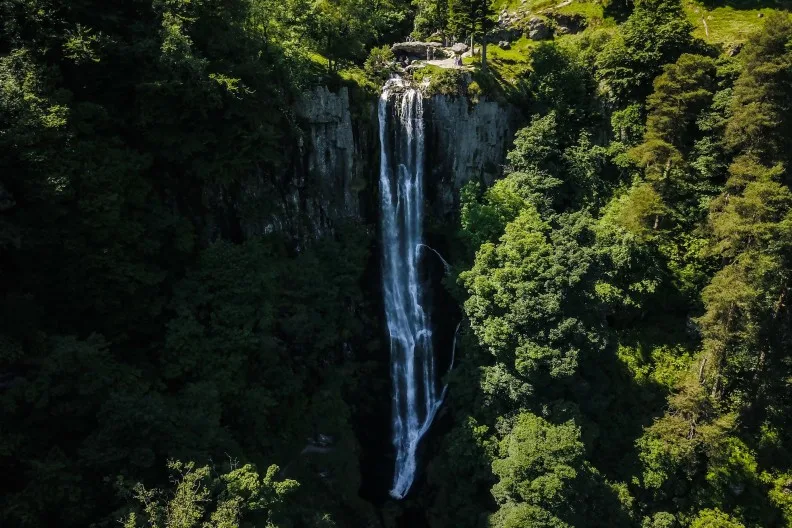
[(589, 9), (725, 25), (507, 65), (357, 76), (520, 5)]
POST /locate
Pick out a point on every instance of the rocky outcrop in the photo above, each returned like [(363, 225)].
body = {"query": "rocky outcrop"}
[(539, 25), (568, 24), (508, 34), (733, 50), (464, 142), (539, 29), (337, 177), (333, 169), (507, 28), (330, 158), (418, 50)]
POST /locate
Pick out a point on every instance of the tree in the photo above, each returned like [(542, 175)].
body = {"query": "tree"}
[(750, 222), (680, 93), (559, 83), (760, 107), (522, 303), (430, 16), (750, 226), (544, 479), (201, 499), (473, 19), (656, 33), (715, 519), (380, 64), (540, 465), (341, 28)]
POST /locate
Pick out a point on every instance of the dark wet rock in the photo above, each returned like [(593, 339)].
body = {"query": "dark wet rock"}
[(568, 24), (539, 29)]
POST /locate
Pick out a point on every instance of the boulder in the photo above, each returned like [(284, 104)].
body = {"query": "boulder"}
[(508, 20), (418, 50), (410, 49), (459, 48), (509, 34), (538, 29), (504, 44), (568, 24)]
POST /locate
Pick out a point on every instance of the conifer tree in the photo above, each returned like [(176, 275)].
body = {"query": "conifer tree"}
[(472, 19)]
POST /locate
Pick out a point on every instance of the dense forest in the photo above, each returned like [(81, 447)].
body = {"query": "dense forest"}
[(624, 353)]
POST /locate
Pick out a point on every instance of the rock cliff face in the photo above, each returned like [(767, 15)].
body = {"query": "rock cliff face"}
[(333, 169), (340, 154), (335, 155), (330, 156), (465, 142)]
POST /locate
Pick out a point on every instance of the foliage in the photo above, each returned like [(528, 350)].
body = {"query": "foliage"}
[(624, 356), (539, 466), (129, 336), (442, 81), (380, 65), (431, 16), (666, 236), (655, 34), (472, 19), (201, 499), (715, 519)]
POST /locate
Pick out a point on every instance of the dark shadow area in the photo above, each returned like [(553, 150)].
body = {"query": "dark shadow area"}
[(372, 414)]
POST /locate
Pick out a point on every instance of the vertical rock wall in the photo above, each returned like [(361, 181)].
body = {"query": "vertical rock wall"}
[(330, 162), (466, 142), (332, 175)]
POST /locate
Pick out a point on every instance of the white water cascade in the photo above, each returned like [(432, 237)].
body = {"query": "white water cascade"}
[(416, 398)]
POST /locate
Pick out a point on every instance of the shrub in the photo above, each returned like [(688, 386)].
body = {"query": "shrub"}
[(380, 64)]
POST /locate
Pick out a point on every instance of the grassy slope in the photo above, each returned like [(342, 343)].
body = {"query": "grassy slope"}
[(508, 65), (725, 25), (729, 24)]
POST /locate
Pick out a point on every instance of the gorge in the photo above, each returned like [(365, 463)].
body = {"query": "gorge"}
[(249, 277)]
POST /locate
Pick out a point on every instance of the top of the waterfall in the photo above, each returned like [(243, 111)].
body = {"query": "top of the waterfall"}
[(396, 85)]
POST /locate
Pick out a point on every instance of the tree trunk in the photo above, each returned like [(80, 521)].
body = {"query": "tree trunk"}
[(484, 54)]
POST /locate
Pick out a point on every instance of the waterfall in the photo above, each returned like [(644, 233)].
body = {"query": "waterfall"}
[(416, 398)]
